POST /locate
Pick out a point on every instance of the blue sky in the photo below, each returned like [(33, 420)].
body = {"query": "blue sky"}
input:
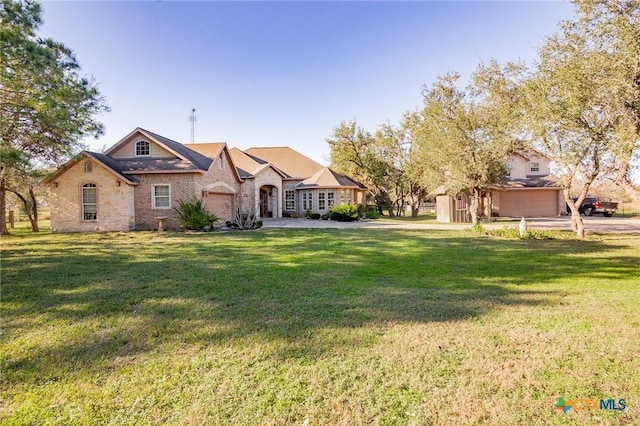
[(283, 73)]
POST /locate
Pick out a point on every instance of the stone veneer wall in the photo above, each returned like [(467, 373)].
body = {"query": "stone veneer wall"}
[(290, 185), (182, 187), (115, 202), (269, 178)]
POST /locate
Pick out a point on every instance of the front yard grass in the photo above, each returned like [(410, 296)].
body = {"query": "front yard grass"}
[(335, 326)]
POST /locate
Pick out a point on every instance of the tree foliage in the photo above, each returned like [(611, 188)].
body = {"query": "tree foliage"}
[(356, 152), (612, 30), (46, 106), (382, 161), (466, 134), (581, 106)]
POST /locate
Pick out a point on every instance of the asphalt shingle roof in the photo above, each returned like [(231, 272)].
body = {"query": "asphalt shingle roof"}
[(199, 161)]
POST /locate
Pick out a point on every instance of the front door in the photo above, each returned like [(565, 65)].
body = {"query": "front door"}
[(264, 203)]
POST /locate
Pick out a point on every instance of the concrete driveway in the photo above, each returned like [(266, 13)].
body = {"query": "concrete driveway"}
[(593, 224)]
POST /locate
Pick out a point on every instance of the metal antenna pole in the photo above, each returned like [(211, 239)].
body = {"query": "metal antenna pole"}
[(193, 123)]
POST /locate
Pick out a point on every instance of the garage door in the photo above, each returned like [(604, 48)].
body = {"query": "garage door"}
[(221, 205), (529, 203)]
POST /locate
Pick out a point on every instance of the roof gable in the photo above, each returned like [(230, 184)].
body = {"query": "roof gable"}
[(327, 178), (252, 166), (243, 161), (108, 163), (213, 150), (198, 162)]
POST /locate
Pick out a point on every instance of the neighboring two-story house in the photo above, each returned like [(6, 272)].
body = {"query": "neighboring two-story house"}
[(142, 178), (528, 191)]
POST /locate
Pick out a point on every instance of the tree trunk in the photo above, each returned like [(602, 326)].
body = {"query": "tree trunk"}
[(3, 207), (27, 208), (34, 206), (473, 206), (385, 197), (577, 224), (414, 210)]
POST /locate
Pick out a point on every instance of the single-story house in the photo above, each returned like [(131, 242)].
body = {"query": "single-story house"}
[(143, 176), (529, 190)]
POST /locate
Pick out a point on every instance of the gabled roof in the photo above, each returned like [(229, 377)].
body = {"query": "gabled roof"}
[(250, 165), (213, 150), (327, 178), (243, 161), (210, 149), (198, 161), (108, 163), (288, 160)]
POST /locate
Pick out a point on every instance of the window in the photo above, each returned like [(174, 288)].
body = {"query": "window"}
[(331, 198), (342, 196), (221, 163), (322, 201), (509, 166), (89, 202), (349, 195), (88, 167), (290, 200), (142, 148), (307, 200), (161, 195), (535, 167)]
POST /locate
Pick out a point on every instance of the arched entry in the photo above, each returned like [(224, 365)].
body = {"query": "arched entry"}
[(268, 201)]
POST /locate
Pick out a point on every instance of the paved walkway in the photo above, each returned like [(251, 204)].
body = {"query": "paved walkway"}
[(592, 224)]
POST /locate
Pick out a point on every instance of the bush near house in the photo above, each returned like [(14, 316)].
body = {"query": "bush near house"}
[(372, 213), (244, 221), (344, 213), (194, 216)]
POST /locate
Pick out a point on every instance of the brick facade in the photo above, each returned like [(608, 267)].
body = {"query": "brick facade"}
[(181, 187), (126, 181), (114, 201)]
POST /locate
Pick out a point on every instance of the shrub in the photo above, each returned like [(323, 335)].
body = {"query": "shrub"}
[(244, 221), (373, 214), (514, 233), (315, 216), (477, 228), (307, 214), (344, 213), (326, 216), (194, 216)]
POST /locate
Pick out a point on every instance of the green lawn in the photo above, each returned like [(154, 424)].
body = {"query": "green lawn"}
[(340, 327)]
